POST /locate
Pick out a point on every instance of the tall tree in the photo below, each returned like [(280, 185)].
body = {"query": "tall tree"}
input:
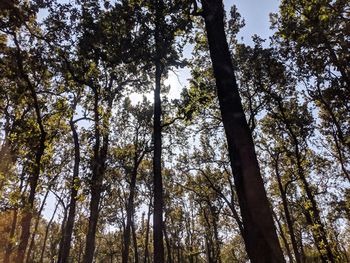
[(259, 231), (168, 18), (158, 246), (313, 36)]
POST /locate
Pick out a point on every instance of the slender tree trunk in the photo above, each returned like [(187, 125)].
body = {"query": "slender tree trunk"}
[(93, 219), (129, 212), (27, 213), (208, 249), (32, 241), (46, 234), (287, 214), (9, 246), (126, 234), (208, 235), (63, 224), (317, 229), (134, 238), (80, 251), (217, 255), (260, 236), (68, 229), (312, 215), (178, 252), (7, 157), (146, 254), (168, 245), (340, 249), (96, 186), (158, 244), (302, 251), (286, 245)]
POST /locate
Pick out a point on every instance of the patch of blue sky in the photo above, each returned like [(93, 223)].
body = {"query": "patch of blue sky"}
[(256, 14)]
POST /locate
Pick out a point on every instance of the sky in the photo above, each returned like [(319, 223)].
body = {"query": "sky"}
[(256, 16)]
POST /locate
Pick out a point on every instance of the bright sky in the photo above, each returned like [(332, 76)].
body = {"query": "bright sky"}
[(256, 16)]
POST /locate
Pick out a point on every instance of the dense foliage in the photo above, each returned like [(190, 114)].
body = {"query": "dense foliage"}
[(88, 158)]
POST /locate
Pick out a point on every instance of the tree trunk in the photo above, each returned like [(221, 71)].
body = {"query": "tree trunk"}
[(168, 245), (63, 255), (134, 238), (96, 189), (208, 250), (289, 254), (312, 212), (287, 214), (260, 236), (32, 240), (28, 209), (96, 186), (302, 251), (216, 241), (9, 246), (158, 244), (46, 234), (98, 170), (63, 224), (313, 218), (130, 211), (146, 256), (178, 252)]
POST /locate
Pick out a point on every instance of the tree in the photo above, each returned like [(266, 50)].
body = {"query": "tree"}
[(32, 74), (86, 160), (259, 230), (317, 28)]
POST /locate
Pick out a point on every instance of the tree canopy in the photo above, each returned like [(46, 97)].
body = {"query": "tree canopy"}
[(100, 162)]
